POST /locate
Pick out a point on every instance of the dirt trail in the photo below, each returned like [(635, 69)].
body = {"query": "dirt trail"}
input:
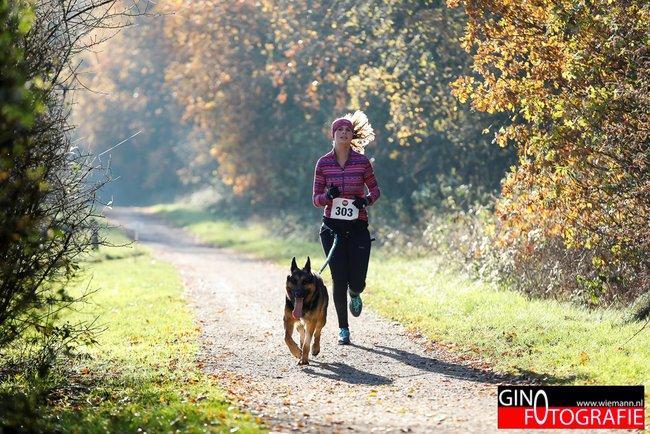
[(387, 381)]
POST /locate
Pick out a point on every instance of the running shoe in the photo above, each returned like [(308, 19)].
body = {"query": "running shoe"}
[(344, 336), (355, 305)]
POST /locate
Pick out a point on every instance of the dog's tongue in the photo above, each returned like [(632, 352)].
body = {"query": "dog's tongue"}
[(297, 310)]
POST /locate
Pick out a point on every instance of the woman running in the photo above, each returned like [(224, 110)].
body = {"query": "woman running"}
[(339, 180)]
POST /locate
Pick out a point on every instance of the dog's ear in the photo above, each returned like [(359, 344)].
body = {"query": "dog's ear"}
[(294, 266), (307, 266)]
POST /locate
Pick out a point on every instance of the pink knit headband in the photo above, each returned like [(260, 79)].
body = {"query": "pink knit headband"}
[(339, 123)]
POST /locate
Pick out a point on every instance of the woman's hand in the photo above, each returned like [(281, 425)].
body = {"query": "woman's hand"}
[(360, 202), (333, 191)]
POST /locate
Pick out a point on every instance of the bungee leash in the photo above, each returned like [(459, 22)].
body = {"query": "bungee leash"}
[(329, 255), (334, 244)]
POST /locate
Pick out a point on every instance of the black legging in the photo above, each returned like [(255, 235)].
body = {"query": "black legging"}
[(349, 263)]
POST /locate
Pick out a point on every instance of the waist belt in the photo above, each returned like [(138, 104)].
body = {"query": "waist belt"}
[(337, 235)]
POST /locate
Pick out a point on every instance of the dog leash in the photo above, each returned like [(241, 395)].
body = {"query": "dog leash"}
[(329, 255), (331, 252)]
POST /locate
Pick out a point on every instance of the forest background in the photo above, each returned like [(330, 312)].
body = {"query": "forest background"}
[(512, 137)]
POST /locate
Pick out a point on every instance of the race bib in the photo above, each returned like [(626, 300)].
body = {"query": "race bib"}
[(342, 209)]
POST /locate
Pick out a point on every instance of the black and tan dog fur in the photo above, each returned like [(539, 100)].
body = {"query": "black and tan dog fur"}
[(307, 316)]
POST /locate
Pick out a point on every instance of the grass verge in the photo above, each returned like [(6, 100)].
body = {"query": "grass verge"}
[(554, 342), (143, 375)]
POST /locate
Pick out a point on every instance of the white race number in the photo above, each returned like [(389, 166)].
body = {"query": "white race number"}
[(342, 209)]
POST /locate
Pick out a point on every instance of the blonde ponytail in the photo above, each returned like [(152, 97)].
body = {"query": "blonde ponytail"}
[(363, 132)]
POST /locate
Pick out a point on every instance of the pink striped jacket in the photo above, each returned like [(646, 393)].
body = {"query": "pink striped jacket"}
[(350, 179)]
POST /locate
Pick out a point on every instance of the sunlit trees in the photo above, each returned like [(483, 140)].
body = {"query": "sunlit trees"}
[(431, 141), (573, 77), (565, 83), (263, 80), (47, 185), (127, 101), (246, 79)]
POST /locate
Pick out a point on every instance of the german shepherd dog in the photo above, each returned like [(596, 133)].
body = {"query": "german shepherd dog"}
[(305, 309)]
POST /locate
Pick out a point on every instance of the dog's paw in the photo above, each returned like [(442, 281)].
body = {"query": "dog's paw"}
[(303, 362)]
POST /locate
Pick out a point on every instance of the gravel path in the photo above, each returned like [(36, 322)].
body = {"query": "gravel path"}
[(389, 380)]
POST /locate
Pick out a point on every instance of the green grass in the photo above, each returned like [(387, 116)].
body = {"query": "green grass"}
[(143, 375), (557, 343), (249, 237)]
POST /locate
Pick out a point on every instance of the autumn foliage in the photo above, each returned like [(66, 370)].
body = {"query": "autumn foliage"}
[(573, 78), (241, 94), (258, 84), (126, 115)]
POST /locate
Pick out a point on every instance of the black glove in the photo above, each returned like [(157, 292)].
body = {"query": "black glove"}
[(360, 202), (333, 191)]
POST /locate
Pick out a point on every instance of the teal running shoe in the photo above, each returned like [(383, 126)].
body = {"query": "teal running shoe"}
[(344, 336), (355, 305)]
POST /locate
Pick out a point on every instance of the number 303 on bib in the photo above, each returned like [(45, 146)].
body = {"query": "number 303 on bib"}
[(342, 209)]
